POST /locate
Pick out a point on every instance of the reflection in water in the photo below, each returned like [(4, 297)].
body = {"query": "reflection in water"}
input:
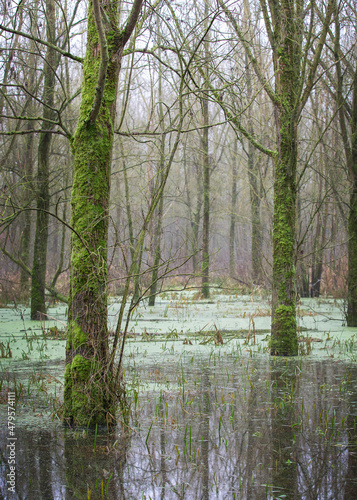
[(217, 428), (284, 455)]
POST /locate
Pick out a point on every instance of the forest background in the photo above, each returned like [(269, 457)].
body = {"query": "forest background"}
[(215, 145)]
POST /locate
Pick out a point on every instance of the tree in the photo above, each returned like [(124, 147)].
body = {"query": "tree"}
[(88, 395), (38, 280), (233, 214), (349, 138), (35, 94), (294, 74), (206, 164), (160, 208)]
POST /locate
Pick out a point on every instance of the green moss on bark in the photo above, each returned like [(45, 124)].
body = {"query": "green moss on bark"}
[(352, 219), (352, 261), (90, 397), (284, 342), (284, 332)]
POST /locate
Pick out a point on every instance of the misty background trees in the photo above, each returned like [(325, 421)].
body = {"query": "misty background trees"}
[(233, 161)]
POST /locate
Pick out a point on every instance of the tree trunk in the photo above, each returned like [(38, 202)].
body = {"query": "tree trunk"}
[(233, 215), (206, 180), (89, 395), (284, 22), (254, 193), (157, 251), (206, 204), (26, 232), (38, 305), (350, 147), (137, 265), (283, 330), (254, 190), (195, 221), (160, 207), (352, 218)]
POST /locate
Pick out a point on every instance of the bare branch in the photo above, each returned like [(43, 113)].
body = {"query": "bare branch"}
[(42, 42)]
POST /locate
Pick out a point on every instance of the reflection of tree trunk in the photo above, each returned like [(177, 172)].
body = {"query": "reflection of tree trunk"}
[(284, 473), (28, 482), (86, 470), (45, 465), (38, 305), (351, 475), (252, 407), (163, 447), (205, 435), (80, 478)]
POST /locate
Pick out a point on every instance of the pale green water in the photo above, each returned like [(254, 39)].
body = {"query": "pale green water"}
[(207, 421)]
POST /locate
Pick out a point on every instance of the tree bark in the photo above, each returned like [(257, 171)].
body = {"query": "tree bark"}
[(38, 305), (89, 395), (160, 207), (27, 196), (350, 147), (233, 215), (352, 218), (206, 178), (254, 190), (283, 330), (294, 81)]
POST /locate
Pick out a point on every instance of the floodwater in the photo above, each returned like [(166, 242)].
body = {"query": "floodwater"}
[(206, 421)]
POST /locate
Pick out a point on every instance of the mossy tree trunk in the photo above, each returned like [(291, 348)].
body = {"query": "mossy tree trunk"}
[(283, 330), (296, 56), (289, 98), (89, 395), (350, 147), (352, 218), (38, 280)]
